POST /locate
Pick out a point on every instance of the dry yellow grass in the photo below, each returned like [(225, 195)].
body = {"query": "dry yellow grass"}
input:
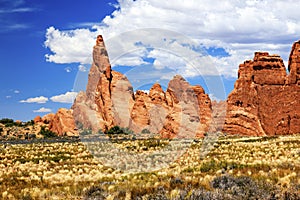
[(69, 171)]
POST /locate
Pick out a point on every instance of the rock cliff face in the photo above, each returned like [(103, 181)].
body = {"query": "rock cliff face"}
[(63, 123), (182, 111), (265, 100)]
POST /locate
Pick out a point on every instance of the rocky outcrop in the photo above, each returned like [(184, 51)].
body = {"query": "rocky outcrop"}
[(63, 123), (37, 119), (265, 100), (190, 110), (182, 111), (46, 119), (108, 96)]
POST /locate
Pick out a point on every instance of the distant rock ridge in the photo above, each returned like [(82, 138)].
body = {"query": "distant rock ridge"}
[(182, 111), (265, 99), (264, 102)]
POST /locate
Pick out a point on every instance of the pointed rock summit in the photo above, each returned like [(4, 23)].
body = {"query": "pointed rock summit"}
[(182, 111), (106, 93)]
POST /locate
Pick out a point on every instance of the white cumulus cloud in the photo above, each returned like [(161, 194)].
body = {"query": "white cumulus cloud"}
[(238, 27), (42, 110), (68, 97), (40, 100), (69, 46)]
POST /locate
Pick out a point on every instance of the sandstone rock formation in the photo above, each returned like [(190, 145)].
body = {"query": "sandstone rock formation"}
[(37, 119), (46, 119), (94, 108), (189, 111), (63, 123), (265, 100), (182, 111)]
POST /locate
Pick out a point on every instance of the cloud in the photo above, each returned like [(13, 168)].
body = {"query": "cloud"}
[(81, 25), (42, 110), (12, 26), (16, 91), (68, 69), (238, 27), (40, 100), (68, 97), (82, 68), (69, 46), (129, 61), (17, 10), (8, 11)]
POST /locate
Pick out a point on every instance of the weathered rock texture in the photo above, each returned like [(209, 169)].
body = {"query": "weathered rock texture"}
[(218, 116), (108, 95), (265, 100), (63, 123), (182, 111)]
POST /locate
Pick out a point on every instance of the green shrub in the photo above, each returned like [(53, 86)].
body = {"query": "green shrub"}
[(145, 131), (9, 124), (115, 130), (47, 133), (29, 123), (242, 187), (6, 121), (118, 130)]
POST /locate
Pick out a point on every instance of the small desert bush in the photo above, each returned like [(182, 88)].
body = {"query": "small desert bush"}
[(118, 131), (47, 133)]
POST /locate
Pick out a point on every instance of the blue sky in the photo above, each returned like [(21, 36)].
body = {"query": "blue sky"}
[(45, 51), (25, 73)]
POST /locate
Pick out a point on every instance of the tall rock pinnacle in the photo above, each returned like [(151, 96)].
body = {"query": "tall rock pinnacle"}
[(109, 100), (95, 108)]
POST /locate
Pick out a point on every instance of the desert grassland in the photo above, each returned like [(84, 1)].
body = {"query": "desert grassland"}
[(258, 166)]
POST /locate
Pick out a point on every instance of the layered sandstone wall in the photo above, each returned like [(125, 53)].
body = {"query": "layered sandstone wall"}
[(265, 99)]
